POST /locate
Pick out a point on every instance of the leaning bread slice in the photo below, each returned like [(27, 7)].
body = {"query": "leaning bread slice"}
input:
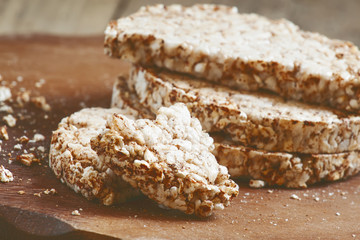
[(242, 50), (259, 120), (293, 170), (76, 164), (169, 159)]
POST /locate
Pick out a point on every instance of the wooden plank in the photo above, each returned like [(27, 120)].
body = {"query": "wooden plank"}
[(77, 73)]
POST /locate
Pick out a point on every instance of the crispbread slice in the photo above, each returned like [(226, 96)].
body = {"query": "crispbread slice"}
[(124, 98), (241, 50), (293, 170), (259, 120), (169, 159), (76, 164)]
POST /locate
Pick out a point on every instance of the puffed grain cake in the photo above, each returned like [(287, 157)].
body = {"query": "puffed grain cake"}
[(292, 170), (260, 120), (76, 164), (169, 159), (246, 51)]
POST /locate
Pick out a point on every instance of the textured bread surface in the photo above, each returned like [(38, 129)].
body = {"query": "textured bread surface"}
[(293, 170), (246, 51), (259, 120), (76, 164), (169, 159)]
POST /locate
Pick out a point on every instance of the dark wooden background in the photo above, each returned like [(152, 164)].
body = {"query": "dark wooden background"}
[(335, 18)]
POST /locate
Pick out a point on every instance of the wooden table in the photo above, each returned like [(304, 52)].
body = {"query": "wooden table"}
[(76, 75)]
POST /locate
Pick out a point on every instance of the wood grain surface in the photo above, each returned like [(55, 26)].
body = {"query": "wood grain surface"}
[(77, 74)]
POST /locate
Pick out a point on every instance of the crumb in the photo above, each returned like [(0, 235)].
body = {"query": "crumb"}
[(27, 159), (337, 214), (23, 139), (256, 183), (10, 120), (75, 213), (294, 196), (39, 83), (270, 191), (5, 93), (21, 192), (19, 78), (23, 97), (3, 133), (6, 108), (41, 148), (37, 194), (317, 199), (52, 191), (5, 175), (40, 102), (17, 146), (37, 138)]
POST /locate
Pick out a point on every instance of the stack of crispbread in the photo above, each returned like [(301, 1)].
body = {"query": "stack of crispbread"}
[(282, 104), (212, 93)]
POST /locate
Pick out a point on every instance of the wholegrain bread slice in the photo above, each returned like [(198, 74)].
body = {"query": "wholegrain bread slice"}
[(246, 51), (76, 164), (169, 159), (293, 170), (260, 120)]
